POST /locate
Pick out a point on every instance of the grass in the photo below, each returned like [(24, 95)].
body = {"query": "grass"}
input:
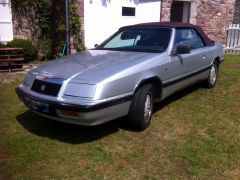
[(195, 134)]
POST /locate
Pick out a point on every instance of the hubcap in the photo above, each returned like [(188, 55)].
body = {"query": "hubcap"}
[(148, 108), (213, 75)]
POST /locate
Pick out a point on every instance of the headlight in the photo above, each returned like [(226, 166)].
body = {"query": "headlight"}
[(80, 90), (29, 78)]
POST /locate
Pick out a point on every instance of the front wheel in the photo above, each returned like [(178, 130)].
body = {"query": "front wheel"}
[(213, 75), (140, 113)]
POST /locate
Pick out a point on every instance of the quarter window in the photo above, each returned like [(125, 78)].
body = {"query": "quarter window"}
[(188, 37)]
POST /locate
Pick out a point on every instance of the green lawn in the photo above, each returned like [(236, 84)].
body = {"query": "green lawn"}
[(195, 134)]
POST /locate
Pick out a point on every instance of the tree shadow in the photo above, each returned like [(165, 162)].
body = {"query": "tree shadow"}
[(75, 134)]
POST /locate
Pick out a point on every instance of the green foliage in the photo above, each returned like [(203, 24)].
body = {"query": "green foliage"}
[(29, 51), (44, 49), (2, 45), (37, 11), (75, 25), (49, 17)]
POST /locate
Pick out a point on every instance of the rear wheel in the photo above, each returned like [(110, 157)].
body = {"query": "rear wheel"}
[(213, 75), (140, 113)]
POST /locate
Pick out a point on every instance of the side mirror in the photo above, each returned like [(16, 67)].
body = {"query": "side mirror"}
[(183, 50), (95, 45)]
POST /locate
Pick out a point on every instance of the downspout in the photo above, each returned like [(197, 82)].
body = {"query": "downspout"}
[(161, 10), (67, 27)]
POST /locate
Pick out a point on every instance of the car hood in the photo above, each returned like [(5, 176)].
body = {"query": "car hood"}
[(92, 65)]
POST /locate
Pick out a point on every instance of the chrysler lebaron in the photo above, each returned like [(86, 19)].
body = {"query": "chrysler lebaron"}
[(135, 67)]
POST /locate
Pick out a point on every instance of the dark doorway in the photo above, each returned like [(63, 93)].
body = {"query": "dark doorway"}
[(236, 16), (180, 11)]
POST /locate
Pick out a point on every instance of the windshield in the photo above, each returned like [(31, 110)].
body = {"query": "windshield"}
[(139, 39)]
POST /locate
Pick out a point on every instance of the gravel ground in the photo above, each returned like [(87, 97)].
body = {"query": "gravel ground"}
[(8, 77)]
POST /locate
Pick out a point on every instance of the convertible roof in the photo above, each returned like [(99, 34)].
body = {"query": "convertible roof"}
[(178, 25)]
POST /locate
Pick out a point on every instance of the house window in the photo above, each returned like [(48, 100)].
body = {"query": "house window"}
[(128, 11)]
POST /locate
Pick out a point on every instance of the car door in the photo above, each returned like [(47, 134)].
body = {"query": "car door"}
[(183, 65)]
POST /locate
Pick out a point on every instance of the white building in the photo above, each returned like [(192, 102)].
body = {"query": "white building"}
[(100, 18), (6, 28), (104, 17)]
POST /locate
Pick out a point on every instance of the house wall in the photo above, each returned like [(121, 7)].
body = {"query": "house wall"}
[(214, 16), (6, 30), (103, 18), (22, 28), (24, 24), (100, 18), (166, 10)]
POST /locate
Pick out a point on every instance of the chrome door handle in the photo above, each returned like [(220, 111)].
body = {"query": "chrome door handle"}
[(203, 57)]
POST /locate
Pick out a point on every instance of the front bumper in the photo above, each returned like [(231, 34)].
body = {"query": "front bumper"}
[(88, 115)]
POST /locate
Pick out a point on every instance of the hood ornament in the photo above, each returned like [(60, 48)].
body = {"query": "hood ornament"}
[(43, 87)]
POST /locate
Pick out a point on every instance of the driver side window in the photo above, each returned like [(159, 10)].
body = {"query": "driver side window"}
[(188, 37)]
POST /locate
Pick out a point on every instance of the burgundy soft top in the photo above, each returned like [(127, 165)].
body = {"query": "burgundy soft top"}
[(177, 25)]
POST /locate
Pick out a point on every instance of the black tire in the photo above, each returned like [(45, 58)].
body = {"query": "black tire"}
[(212, 78), (139, 116)]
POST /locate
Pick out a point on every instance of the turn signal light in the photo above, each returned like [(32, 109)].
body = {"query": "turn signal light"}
[(67, 113)]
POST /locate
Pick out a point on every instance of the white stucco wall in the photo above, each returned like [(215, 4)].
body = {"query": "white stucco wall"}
[(6, 29), (104, 17)]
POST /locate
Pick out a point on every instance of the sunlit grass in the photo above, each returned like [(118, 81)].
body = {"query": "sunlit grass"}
[(194, 134)]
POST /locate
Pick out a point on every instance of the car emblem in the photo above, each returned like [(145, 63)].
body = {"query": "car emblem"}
[(43, 87)]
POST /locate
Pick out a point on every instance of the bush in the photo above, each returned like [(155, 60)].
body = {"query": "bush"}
[(2, 45), (29, 51)]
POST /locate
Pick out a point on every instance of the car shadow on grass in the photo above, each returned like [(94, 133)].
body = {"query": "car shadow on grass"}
[(75, 134), (178, 95)]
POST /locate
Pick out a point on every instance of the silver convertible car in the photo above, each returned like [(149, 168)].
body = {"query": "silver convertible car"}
[(137, 66)]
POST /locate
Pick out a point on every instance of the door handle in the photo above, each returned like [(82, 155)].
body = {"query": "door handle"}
[(203, 57)]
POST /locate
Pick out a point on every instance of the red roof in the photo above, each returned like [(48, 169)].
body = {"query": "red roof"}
[(177, 25)]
